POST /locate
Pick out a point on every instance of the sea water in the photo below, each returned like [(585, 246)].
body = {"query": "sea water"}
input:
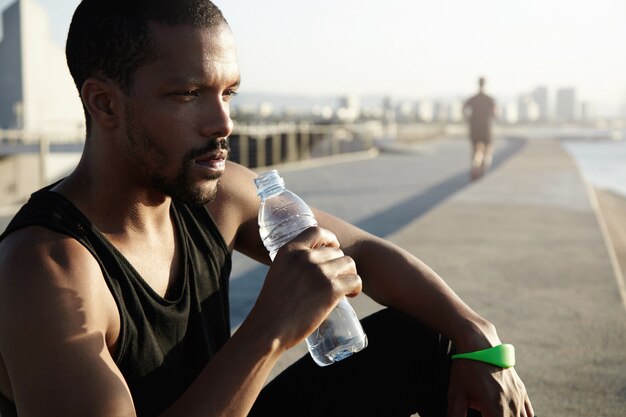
[(602, 162)]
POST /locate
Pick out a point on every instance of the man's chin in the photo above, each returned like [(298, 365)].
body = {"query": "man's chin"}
[(196, 195)]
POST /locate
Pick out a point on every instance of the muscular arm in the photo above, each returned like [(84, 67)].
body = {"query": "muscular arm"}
[(58, 323), (54, 318), (394, 277), (391, 275), (300, 289)]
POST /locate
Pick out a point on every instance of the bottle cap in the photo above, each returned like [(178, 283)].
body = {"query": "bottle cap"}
[(268, 180)]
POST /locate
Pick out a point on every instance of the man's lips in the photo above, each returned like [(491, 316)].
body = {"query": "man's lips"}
[(214, 160)]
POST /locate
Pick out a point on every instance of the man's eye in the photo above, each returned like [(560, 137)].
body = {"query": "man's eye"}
[(189, 93), (229, 94)]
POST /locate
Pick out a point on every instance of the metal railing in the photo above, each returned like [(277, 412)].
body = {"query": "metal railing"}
[(27, 158), (259, 145)]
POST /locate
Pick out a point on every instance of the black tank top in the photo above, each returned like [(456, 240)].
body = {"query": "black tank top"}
[(164, 342)]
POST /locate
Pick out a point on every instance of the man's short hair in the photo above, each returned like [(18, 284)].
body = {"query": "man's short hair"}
[(111, 38)]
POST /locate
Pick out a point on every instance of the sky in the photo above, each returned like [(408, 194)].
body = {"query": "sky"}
[(421, 49)]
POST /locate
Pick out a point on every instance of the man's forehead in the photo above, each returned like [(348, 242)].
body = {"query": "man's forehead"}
[(193, 56), (216, 40)]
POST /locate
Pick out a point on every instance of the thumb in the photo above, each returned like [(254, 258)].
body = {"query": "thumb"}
[(316, 237)]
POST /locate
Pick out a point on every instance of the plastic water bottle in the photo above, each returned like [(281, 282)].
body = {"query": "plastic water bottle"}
[(283, 216)]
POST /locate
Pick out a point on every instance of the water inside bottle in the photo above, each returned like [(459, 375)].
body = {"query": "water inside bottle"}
[(323, 357), (282, 216), (338, 337)]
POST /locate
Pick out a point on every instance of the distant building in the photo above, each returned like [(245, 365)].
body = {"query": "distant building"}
[(587, 111), (406, 111), (349, 108), (425, 111), (37, 93), (455, 111), (389, 112), (510, 112), (566, 105), (441, 111), (540, 97), (448, 111), (528, 109), (265, 110)]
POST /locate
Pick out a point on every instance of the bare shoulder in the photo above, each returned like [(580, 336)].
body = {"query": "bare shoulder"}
[(35, 260), (50, 275), (55, 312), (235, 210)]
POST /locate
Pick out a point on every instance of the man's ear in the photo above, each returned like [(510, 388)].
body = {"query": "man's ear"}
[(103, 102)]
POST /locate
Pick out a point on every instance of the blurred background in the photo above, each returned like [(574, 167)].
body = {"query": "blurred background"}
[(383, 85), (341, 76)]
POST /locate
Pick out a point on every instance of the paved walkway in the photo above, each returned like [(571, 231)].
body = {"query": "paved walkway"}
[(522, 246)]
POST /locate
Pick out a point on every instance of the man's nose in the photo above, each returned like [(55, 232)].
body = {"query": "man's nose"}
[(216, 120)]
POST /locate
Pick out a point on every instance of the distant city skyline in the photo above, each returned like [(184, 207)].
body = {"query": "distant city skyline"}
[(422, 49)]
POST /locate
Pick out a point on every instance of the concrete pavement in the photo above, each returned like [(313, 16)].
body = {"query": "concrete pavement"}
[(522, 246)]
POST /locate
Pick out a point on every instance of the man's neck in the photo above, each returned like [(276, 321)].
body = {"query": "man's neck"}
[(114, 204), (136, 220)]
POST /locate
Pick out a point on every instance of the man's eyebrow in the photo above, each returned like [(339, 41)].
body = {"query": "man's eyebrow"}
[(237, 83), (178, 80), (194, 80)]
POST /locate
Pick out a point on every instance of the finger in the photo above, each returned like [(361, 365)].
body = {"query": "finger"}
[(325, 254), (349, 282), (340, 269), (334, 260), (351, 285), (316, 237), (530, 412)]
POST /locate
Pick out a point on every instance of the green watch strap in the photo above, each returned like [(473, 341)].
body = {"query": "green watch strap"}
[(501, 355)]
